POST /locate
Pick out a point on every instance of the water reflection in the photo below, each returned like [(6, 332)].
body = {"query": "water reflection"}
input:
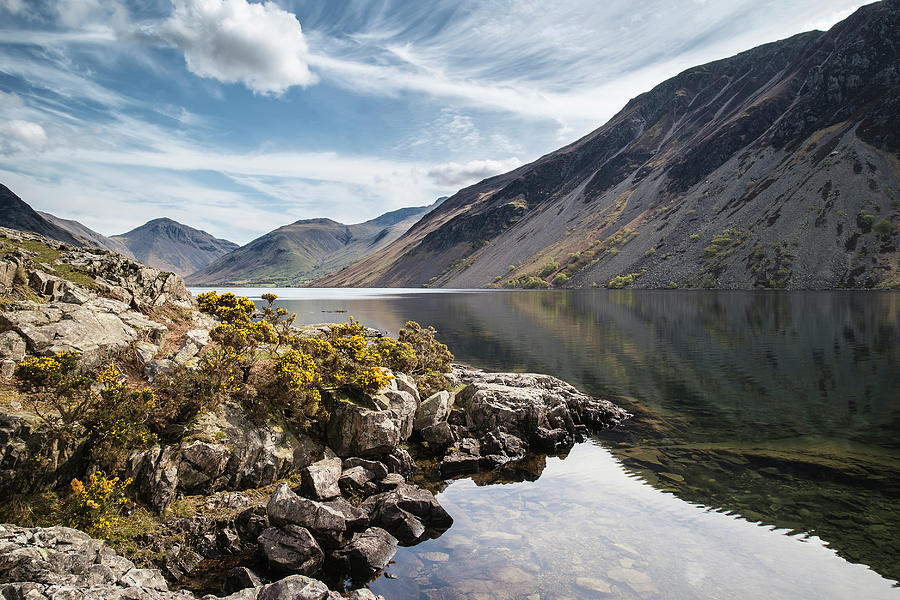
[(587, 529), (781, 407)]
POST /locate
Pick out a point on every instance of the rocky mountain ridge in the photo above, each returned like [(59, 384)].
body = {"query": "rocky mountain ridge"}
[(172, 246), (302, 251), (775, 168)]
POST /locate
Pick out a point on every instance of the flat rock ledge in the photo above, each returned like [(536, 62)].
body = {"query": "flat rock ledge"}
[(61, 563)]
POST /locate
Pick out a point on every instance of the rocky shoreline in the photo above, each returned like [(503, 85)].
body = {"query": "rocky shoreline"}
[(250, 508)]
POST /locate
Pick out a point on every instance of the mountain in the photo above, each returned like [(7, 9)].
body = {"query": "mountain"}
[(91, 237), (777, 167), (15, 213), (170, 246), (297, 253)]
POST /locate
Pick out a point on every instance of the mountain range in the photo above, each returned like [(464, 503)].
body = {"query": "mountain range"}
[(775, 168), (300, 252), (290, 255), (160, 243)]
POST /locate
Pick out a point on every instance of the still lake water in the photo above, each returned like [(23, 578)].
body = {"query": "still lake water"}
[(762, 461)]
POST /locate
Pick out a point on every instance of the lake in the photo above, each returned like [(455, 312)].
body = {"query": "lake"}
[(762, 460)]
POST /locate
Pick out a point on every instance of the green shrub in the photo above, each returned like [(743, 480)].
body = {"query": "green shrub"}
[(621, 281), (560, 279), (533, 283), (432, 358), (694, 237), (96, 508), (548, 269), (883, 228)]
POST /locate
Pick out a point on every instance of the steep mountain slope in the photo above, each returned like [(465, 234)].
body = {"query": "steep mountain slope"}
[(777, 167), (170, 246), (297, 253), (89, 235), (15, 213)]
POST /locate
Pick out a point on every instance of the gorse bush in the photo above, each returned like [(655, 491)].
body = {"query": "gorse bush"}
[(432, 358), (96, 507), (99, 407), (56, 384)]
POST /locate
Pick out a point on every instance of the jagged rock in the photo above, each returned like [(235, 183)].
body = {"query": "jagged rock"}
[(376, 468), (296, 587), (144, 578), (291, 548), (240, 578), (7, 368), (368, 551), (407, 512), (400, 461), (156, 367), (457, 463), (433, 410), (145, 351), (140, 286), (389, 482), (438, 435), (406, 383), (12, 346), (355, 479), (356, 518), (329, 526), (354, 430), (364, 594), (538, 409), (402, 405), (96, 329), (251, 523), (320, 479), (180, 562), (245, 456), (194, 341)]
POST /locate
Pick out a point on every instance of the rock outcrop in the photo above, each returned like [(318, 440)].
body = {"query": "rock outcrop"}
[(499, 417), (58, 562), (223, 450), (98, 328)]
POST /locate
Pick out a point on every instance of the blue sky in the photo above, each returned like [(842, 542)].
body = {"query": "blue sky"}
[(237, 117)]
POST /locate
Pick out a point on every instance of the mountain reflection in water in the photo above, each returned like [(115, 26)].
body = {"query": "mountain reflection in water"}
[(779, 408)]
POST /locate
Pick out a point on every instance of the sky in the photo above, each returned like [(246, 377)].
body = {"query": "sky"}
[(237, 117)]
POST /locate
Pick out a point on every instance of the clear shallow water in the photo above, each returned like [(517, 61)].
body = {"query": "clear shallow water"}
[(782, 409)]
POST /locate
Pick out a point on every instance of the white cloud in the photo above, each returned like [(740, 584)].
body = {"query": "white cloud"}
[(10, 99), (21, 136), (234, 41), (457, 175), (15, 7)]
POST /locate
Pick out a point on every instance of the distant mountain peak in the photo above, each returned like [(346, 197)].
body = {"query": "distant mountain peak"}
[(172, 246)]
